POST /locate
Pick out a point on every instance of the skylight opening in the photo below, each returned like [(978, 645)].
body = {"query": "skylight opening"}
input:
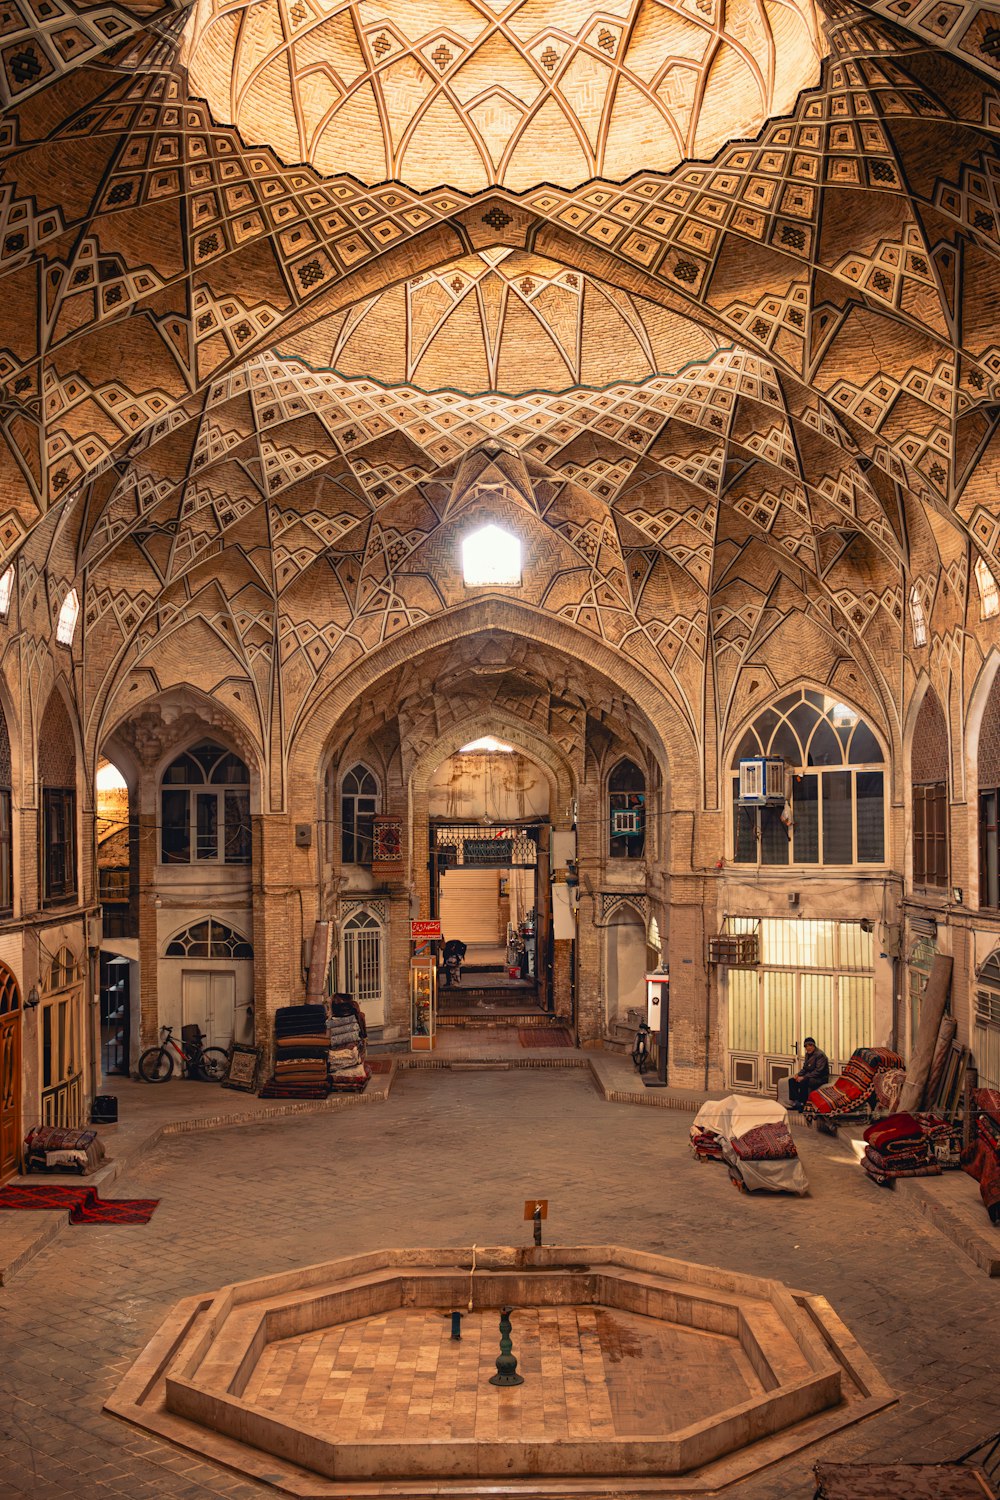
[(66, 628), (491, 557), (487, 745), (917, 618), (6, 592), (989, 593)]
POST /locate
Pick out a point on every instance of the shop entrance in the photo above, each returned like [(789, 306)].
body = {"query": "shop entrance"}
[(488, 888)]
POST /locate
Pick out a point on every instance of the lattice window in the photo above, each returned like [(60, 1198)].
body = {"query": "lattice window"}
[(835, 814), (209, 939)]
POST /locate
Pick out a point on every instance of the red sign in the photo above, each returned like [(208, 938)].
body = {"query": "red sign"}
[(425, 930)]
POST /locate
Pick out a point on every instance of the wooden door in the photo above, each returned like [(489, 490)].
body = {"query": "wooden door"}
[(10, 1074), (208, 999)]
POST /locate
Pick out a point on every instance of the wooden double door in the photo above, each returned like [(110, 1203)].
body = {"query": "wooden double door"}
[(10, 1074)]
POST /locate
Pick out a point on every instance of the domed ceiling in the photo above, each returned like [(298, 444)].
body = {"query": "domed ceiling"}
[(474, 93), (503, 320)]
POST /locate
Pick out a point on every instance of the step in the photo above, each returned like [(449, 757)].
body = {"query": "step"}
[(480, 1067)]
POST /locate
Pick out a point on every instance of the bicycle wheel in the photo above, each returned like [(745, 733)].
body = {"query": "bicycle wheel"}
[(156, 1065), (212, 1064)]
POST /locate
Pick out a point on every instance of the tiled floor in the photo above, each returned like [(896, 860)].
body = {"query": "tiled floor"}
[(588, 1371), (449, 1159)]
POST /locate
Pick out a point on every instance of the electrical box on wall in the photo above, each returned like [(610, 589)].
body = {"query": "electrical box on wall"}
[(303, 835), (763, 782)]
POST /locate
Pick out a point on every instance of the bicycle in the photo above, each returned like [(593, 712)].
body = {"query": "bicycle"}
[(208, 1064), (640, 1051)]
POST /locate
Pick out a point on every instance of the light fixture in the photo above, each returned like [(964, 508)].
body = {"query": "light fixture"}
[(32, 1000)]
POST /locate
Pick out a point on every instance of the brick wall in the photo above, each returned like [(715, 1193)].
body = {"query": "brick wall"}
[(929, 755), (989, 738)]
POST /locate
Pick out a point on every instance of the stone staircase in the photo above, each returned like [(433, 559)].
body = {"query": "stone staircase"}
[(620, 1035)]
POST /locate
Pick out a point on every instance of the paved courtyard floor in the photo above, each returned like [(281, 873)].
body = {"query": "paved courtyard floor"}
[(449, 1159)]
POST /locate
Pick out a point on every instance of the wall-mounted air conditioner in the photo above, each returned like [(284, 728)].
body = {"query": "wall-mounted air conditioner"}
[(763, 782)]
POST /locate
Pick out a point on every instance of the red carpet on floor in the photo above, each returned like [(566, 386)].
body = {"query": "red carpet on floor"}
[(83, 1203), (544, 1036)]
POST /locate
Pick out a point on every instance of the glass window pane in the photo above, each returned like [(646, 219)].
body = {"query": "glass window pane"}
[(749, 746), (238, 837), (805, 811), (774, 840), (871, 834), (855, 1014), (207, 830), (816, 944), (838, 833), (864, 747), (779, 1014), (816, 1017), (988, 845), (803, 719), (744, 830), (824, 748), (785, 745), (175, 827), (743, 1009)]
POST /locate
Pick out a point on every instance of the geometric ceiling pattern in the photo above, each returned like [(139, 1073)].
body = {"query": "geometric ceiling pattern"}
[(503, 320), (477, 93), (253, 407)]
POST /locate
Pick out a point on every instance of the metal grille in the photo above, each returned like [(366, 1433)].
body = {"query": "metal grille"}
[(473, 846), (363, 960)]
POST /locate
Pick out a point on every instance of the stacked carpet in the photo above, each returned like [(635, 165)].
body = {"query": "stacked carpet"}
[(909, 1145), (300, 1048), (345, 1036), (982, 1159), (55, 1148), (752, 1137), (854, 1092)]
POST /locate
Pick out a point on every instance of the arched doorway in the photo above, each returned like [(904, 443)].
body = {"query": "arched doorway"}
[(10, 1074), (489, 811)]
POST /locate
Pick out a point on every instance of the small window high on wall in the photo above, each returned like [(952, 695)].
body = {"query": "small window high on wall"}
[(626, 811), (835, 814), (491, 556), (989, 594), (918, 619), (57, 775), (205, 808), (68, 614), (929, 807)]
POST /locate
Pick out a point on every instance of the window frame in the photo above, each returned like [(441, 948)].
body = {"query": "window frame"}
[(210, 815), (623, 846), (6, 852), (762, 827), (350, 837), (930, 874), (58, 803)]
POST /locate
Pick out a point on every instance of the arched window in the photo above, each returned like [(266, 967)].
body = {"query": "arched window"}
[(359, 802), (626, 811), (835, 813), (205, 808), (989, 594), (6, 591), (986, 1036), (209, 939), (929, 781), (66, 627), (988, 759), (918, 619), (57, 774), (6, 823)]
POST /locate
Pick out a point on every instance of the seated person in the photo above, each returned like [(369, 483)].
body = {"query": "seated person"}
[(451, 962), (814, 1073)]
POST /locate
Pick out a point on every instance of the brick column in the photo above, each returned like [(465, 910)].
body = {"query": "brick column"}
[(277, 929), (149, 1015)]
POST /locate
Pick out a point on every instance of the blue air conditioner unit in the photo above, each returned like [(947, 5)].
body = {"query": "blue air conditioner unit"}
[(763, 782)]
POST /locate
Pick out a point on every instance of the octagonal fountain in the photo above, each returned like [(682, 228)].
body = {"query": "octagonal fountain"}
[(344, 1378)]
